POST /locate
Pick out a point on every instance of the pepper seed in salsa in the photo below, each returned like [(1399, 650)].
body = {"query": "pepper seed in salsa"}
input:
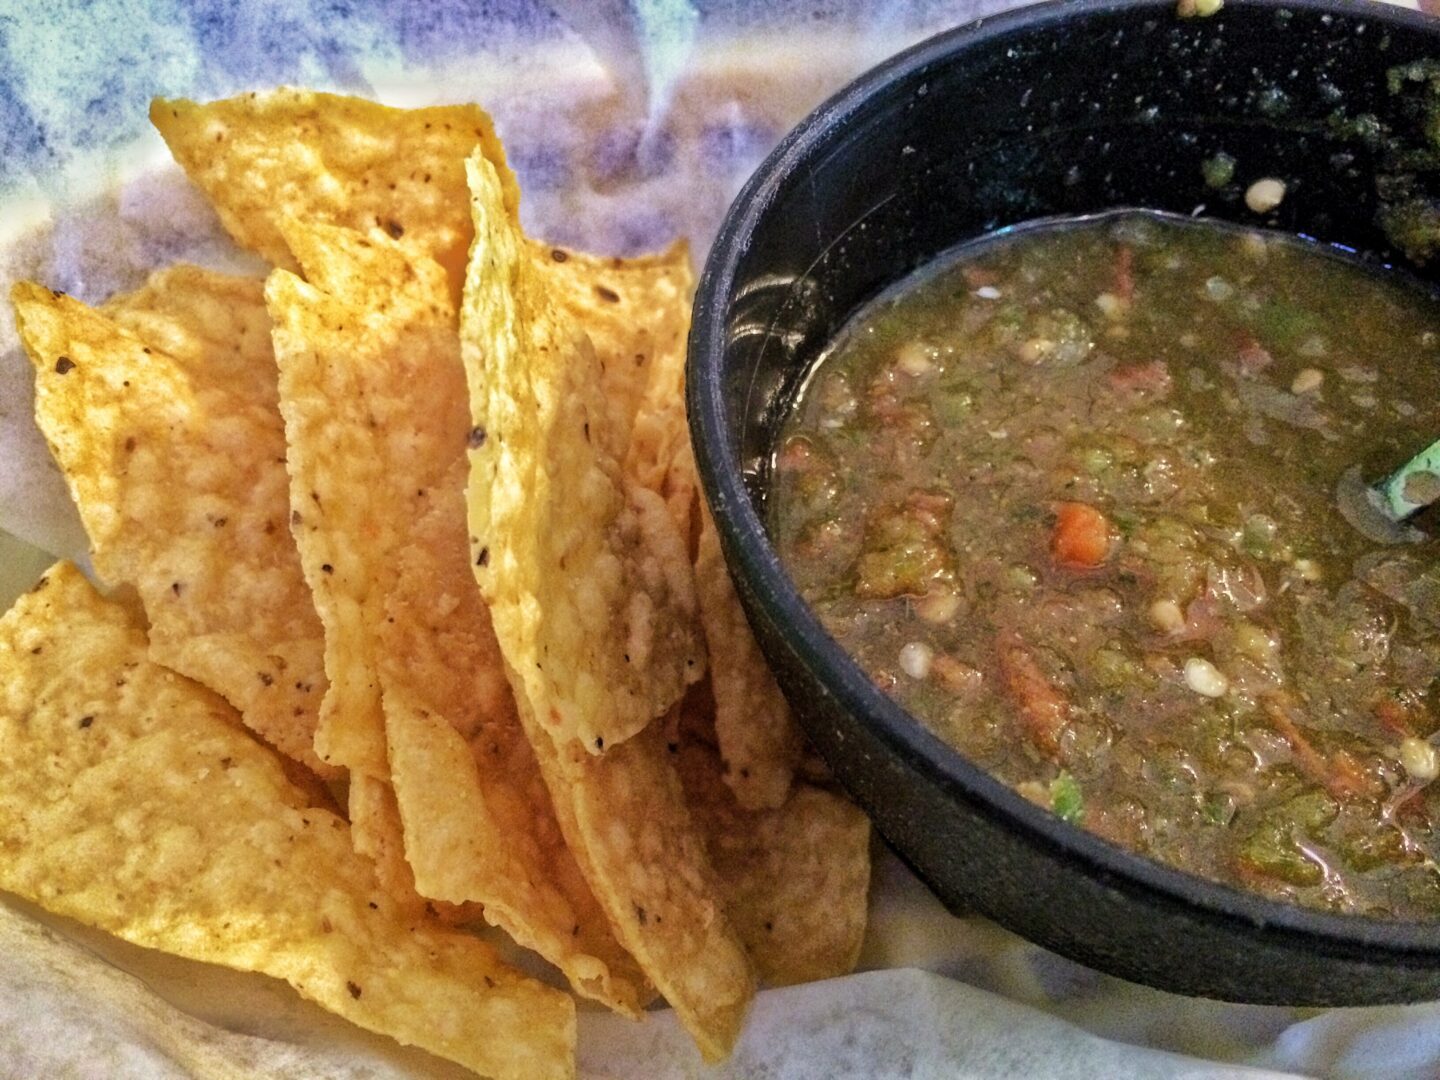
[(1070, 497)]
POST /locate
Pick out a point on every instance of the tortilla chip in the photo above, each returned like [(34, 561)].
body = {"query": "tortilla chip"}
[(161, 410), (795, 878), (636, 313), (625, 817), (758, 737), (369, 357), (263, 157), (570, 618), (133, 803), (377, 834), (588, 582), (324, 158)]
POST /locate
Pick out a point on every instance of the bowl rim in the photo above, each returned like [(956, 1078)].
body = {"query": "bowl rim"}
[(752, 557)]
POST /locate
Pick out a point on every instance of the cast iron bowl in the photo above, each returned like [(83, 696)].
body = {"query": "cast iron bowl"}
[(1065, 108)]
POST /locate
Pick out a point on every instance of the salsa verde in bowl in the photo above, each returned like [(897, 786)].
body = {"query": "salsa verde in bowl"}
[(1065, 109), (1073, 499)]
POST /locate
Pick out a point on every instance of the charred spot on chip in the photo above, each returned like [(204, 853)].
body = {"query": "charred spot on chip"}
[(86, 721), (599, 742), (483, 559), (64, 365), (609, 295), (477, 437), (640, 915), (177, 587), (266, 678), (353, 988), (327, 568), (559, 254), (295, 518), (395, 229)]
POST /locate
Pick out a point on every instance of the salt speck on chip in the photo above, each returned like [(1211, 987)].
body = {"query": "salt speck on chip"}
[(161, 409), (132, 801)]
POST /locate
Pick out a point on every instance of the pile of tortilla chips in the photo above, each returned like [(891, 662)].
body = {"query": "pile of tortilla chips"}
[(416, 621)]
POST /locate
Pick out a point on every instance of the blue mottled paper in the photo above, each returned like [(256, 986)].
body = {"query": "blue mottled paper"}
[(76, 77)]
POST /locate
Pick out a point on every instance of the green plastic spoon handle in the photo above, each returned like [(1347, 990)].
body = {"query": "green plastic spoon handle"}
[(1413, 486)]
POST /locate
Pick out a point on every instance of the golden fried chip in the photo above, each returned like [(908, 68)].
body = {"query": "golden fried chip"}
[(576, 592), (161, 410), (795, 878), (132, 802), (369, 356), (759, 740), (625, 817), (588, 582), (261, 158), (636, 313)]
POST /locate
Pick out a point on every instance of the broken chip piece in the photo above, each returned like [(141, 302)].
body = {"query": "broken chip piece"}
[(134, 802), (795, 877), (263, 157), (759, 741), (161, 411)]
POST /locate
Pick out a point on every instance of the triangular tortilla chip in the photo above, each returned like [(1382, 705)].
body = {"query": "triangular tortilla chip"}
[(369, 356), (588, 583), (131, 801), (636, 313), (582, 567), (161, 411), (287, 153), (795, 878), (760, 743)]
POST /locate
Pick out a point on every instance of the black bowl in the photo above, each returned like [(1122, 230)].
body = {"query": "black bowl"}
[(1065, 108)]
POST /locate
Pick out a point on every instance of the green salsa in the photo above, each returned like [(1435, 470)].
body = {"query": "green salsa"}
[(1088, 501)]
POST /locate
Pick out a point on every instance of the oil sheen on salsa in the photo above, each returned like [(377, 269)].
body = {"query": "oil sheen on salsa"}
[(1074, 499)]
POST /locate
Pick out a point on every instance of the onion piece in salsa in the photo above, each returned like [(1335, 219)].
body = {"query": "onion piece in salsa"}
[(1070, 498)]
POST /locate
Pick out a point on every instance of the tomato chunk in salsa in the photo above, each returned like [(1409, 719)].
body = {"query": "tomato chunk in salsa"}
[(1076, 498)]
